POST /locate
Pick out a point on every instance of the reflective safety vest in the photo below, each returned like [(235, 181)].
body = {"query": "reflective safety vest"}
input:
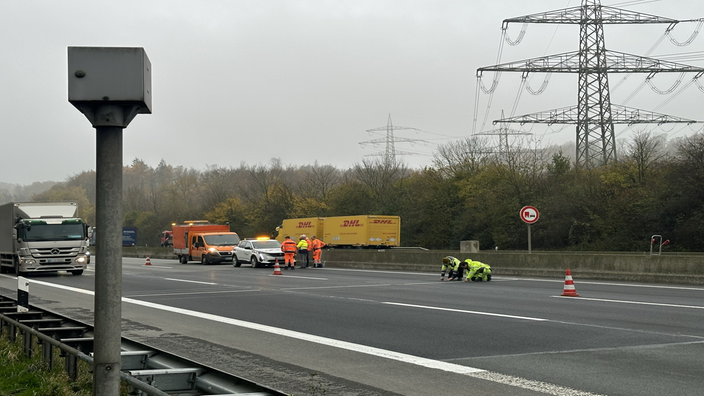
[(452, 265), (302, 245), (474, 266), (288, 246), (318, 244)]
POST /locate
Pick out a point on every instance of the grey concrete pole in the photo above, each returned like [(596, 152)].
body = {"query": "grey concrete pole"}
[(108, 268), (529, 243)]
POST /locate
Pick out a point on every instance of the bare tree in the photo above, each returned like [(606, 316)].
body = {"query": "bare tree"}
[(183, 192), (465, 156), (136, 181), (379, 177), (645, 150), (216, 185), (691, 150), (262, 179), (319, 180)]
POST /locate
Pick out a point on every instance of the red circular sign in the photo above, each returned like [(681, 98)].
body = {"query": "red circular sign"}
[(529, 214)]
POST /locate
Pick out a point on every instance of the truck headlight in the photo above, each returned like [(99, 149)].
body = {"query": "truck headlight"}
[(28, 261), (81, 259)]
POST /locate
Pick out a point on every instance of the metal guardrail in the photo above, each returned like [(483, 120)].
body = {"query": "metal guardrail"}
[(146, 370)]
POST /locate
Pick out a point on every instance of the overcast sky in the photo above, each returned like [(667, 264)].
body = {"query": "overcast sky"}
[(247, 81)]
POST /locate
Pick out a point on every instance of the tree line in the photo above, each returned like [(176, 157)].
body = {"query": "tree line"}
[(472, 191)]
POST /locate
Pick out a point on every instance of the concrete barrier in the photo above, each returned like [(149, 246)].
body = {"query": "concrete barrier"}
[(635, 267)]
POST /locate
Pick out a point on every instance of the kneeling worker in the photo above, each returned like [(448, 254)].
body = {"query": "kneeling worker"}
[(477, 271), (449, 264)]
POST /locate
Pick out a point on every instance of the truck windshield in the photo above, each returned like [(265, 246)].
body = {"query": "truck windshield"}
[(266, 244), (54, 232), (222, 240)]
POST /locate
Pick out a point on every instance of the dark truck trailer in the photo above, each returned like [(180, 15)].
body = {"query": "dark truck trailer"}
[(129, 236), (42, 237)]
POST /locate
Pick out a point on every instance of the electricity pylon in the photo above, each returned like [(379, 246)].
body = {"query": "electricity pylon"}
[(503, 132), (390, 141), (594, 114)]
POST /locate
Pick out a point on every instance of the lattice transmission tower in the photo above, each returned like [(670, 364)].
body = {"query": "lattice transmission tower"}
[(389, 154), (503, 132), (594, 115)]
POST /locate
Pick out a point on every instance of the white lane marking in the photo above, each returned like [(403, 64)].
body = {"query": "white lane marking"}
[(69, 288), (611, 284), (465, 311), (527, 279), (631, 302), (190, 281), (402, 357), (201, 292), (381, 272), (300, 277), (648, 286), (332, 287)]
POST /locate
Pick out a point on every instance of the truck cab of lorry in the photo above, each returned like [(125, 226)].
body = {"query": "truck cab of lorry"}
[(42, 237), (167, 238)]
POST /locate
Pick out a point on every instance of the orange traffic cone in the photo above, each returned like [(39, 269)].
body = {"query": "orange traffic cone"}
[(277, 269), (569, 290), (148, 262)]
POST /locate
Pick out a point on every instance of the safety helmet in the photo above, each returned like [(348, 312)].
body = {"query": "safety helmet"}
[(303, 235)]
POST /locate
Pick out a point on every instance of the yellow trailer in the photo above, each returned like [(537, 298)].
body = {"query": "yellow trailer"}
[(363, 231), (295, 227), (341, 231)]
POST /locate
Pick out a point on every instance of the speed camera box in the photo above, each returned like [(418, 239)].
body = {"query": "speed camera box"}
[(109, 75)]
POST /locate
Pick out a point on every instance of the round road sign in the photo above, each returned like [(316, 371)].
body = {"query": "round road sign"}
[(529, 214)]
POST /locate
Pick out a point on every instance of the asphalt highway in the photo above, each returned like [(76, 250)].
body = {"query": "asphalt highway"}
[(362, 332)]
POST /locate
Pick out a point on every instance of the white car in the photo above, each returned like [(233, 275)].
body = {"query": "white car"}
[(258, 252)]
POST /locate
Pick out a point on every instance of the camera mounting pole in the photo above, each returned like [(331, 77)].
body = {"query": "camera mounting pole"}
[(110, 86)]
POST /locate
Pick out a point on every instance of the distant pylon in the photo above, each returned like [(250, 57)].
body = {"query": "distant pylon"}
[(148, 262), (390, 141)]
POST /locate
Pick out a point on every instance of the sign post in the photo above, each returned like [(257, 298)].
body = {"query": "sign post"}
[(529, 215)]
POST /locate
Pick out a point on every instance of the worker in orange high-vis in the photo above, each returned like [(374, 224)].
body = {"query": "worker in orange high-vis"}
[(317, 246), (288, 246)]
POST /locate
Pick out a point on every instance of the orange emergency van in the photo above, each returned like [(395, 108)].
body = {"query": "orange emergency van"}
[(204, 242)]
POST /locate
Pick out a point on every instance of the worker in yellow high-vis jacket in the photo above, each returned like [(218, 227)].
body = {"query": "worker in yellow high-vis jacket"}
[(477, 271)]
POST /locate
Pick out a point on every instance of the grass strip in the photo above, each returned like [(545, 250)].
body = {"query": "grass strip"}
[(24, 376)]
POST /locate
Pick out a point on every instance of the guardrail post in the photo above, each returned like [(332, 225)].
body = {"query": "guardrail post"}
[(71, 363), (11, 332), (27, 343), (47, 353)]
